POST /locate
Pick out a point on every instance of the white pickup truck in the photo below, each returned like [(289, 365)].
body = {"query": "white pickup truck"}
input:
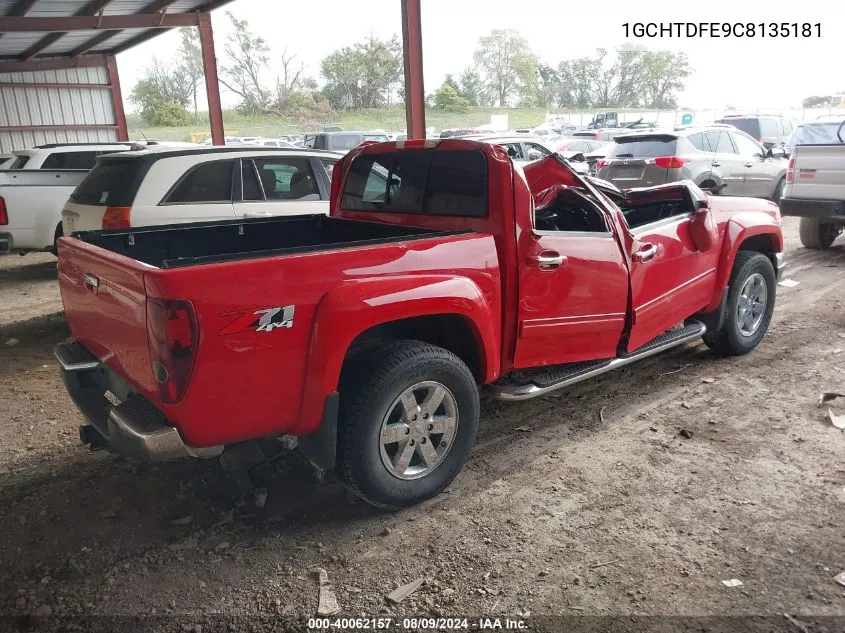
[(815, 185), (30, 206)]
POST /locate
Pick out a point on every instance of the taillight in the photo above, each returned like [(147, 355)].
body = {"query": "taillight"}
[(790, 171), (172, 334), (670, 162), (4, 216), (600, 163), (116, 218)]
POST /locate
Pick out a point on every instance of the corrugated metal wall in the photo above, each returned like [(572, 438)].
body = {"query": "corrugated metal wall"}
[(27, 107)]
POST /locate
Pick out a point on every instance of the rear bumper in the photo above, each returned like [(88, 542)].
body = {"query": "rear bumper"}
[(127, 423), (833, 210)]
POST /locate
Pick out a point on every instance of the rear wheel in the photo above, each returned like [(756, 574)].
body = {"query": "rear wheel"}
[(408, 424), (709, 187), (817, 234), (778, 191), (56, 235), (751, 301)]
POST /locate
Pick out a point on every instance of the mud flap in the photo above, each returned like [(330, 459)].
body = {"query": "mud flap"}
[(320, 447), (714, 320)]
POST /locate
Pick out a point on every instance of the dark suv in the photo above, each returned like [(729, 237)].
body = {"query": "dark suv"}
[(770, 130), (720, 159)]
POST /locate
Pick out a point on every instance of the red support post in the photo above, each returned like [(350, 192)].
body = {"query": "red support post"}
[(117, 99), (212, 84), (413, 61)]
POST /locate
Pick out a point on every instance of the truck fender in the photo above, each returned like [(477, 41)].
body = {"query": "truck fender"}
[(739, 229), (350, 309)]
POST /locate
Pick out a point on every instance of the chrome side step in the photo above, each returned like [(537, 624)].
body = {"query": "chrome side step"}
[(513, 392), (74, 357)]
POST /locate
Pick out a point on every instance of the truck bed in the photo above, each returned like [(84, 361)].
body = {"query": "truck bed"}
[(177, 246)]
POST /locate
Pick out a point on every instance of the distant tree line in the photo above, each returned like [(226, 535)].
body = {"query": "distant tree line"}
[(369, 74)]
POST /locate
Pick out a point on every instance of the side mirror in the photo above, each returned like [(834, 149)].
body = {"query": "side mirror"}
[(702, 227), (776, 152)]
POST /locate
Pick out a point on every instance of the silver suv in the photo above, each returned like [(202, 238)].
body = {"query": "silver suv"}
[(719, 159)]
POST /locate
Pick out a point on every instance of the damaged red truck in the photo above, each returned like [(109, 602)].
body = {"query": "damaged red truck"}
[(368, 334)]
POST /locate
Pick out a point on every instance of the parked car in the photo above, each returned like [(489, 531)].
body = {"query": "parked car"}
[(769, 130), (277, 142), (341, 141), (450, 133), (520, 147), (366, 334), (604, 134), (815, 186), (719, 159), (31, 202), (163, 186), (64, 155)]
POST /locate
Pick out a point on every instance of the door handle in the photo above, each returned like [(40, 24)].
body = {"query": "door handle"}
[(715, 164), (92, 283), (646, 253), (547, 260), (749, 164)]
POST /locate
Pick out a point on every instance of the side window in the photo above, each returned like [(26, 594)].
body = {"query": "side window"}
[(769, 128), (211, 182), (514, 150), (535, 151), (721, 142), (746, 147), (70, 160), (569, 211), (700, 142), (287, 179), (251, 188), (328, 163)]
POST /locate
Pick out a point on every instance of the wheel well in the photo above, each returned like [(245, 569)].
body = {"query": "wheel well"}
[(761, 244), (449, 331)]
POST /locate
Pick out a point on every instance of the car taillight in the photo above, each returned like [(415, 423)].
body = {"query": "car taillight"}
[(790, 171), (4, 216), (670, 162), (116, 218), (173, 337)]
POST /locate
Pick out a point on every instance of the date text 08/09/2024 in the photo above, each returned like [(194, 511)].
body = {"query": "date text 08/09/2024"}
[(416, 624), (722, 29)]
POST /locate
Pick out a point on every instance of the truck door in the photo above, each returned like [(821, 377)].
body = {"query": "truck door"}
[(671, 279), (573, 284)]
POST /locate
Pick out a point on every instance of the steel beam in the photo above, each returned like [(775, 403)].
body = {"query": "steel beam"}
[(92, 8), (413, 62), (57, 128), (117, 99), (96, 23), (53, 63), (212, 83)]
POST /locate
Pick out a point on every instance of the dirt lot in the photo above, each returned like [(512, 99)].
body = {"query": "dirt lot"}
[(589, 503)]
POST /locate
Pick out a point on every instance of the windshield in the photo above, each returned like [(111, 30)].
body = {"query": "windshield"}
[(816, 134)]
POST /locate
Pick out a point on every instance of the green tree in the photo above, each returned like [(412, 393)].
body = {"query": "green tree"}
[(548, 85), (447, 98), (247, 62), (162, 83), (577, 78), (471, 87), (663, 75), (508, 65), (190, 58), (363, 75), (816, 102)]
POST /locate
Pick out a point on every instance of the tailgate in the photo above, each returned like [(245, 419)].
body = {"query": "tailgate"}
[(819, 173), (105, 306)]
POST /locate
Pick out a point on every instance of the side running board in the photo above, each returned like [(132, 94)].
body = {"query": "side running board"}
[(527, 384)]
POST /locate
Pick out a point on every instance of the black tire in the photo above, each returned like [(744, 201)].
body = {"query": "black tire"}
[(56, 235), (729, 340), (706, 187), (816, 234), (778, 191), (367, 392)]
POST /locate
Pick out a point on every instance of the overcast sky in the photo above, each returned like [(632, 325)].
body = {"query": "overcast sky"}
[(746, 73)]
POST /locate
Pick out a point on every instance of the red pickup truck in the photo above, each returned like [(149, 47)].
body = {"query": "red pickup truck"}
[(368, 334)]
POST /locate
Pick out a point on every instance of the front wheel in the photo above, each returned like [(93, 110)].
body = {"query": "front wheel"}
[(751, 302), (817, 234), (410, 416)]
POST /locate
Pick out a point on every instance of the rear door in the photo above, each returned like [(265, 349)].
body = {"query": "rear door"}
[(760, 171), (726, 163), (280, 186)]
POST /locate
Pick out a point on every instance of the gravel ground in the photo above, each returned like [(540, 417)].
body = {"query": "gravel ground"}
[(587, 503)]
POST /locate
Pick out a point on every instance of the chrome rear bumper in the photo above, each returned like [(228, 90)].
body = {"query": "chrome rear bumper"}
[(133, 427)]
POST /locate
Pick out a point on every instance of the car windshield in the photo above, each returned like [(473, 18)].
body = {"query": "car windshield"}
[(816, 134)]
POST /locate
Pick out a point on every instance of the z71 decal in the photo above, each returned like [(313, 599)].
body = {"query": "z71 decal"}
[(265, 320)]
